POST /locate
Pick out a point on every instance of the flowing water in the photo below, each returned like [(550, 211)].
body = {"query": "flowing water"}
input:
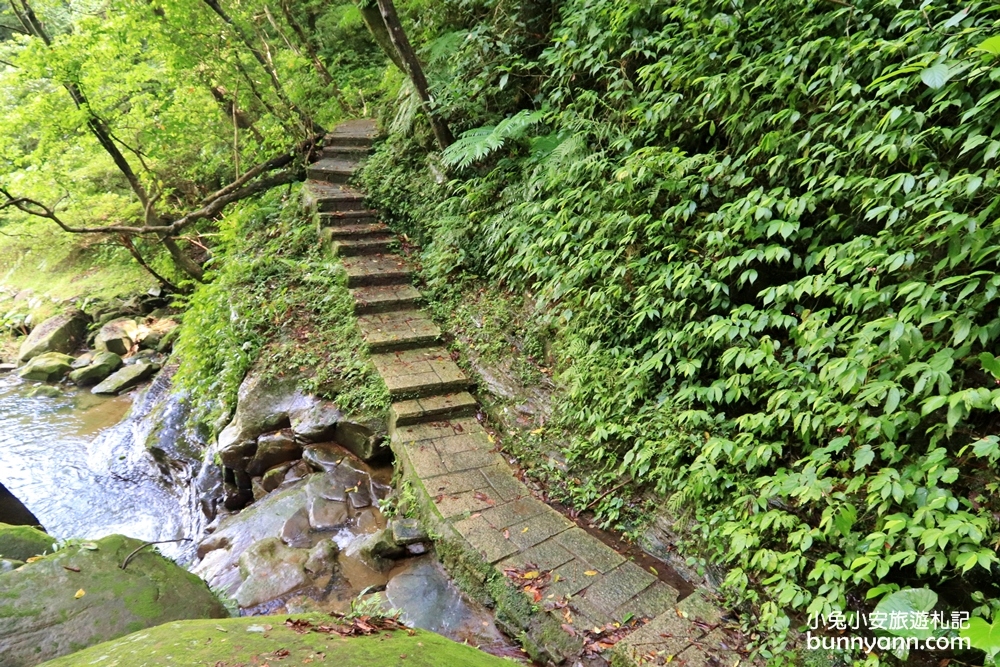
[(84, 472)]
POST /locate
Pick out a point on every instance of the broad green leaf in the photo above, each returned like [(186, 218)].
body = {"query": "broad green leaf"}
[(935, 76), (909, 601), (991, 45), (983, 635)]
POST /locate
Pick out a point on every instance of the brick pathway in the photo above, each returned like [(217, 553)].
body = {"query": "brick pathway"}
[(471, 492)]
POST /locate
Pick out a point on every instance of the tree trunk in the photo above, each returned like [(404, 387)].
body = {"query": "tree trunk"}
[(372, 17), (416, 73)]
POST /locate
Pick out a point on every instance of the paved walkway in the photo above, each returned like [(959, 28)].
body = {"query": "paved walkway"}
[(471, 489)]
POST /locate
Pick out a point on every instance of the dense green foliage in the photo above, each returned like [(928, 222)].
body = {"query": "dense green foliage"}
[(182, 96), (276, 300), (768, 234)]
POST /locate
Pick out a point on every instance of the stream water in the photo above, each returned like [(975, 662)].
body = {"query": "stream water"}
[(84, 472), (88, 466)]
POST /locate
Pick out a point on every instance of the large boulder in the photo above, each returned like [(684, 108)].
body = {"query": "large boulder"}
[(101, 365), (23, 542), (48, 367), (254, 639), (62, 333), (268, 403), (117, 336), (81, 596), (263, 403), (126, 378)]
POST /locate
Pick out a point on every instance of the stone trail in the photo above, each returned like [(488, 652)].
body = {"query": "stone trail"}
[(472, 493)]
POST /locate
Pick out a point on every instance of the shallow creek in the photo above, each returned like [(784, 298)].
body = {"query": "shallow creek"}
[(89, 466)]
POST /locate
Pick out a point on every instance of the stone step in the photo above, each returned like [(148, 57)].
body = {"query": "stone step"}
[(432, 408), (355, 152), (332, 170), (371, 245), (358, 130), (325, 197), (347, 218), (419, 373), (357, 231), (377, 270), (384, 298), (398, 330)]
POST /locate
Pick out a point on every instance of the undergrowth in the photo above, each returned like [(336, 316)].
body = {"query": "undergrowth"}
[(767, 236), (275, 301)]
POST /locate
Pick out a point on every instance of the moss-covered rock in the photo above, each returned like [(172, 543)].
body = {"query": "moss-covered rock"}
[(264, 639), (23, 542), (102, 365), (126, 378), (61, 333), (80, 596), (48, 367)]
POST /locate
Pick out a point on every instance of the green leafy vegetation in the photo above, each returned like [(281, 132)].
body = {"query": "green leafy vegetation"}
[(767, 236), (276, 300)]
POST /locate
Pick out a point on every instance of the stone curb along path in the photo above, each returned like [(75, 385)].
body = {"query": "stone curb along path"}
[(485, 519)]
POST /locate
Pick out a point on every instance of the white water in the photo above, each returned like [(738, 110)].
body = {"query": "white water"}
[(85, 473)]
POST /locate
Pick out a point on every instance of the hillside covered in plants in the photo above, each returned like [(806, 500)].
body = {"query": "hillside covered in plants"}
[(751, 246), (763, 237)]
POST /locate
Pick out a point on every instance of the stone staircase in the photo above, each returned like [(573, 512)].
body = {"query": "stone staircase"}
[(469, 494)]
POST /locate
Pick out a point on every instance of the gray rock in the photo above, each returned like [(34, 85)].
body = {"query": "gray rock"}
[(299, 470), (407, 531), (295, 531), (273, 478), (315, 420), (262, 405), (367, 520), (272, 449), (366, 441), (126, 378), (47, 367), (81, 596), (327, 514), (322, 558), (324, 486), (102, 365), (83, 360), (269, 570), (117, 336), (7, 368), (361, 497), (323, 459), (62, 333)]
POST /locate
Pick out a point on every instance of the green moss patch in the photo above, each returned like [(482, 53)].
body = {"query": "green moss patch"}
[(23, 542), (267, 640)]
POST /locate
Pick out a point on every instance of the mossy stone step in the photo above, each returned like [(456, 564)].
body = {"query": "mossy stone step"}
[(357, 231), (432, 408), (325, 197), (384, 298), (349, 218), (357, 152), (421, 372), (398, 330), (377, 270), (372, 245), (332, 170)]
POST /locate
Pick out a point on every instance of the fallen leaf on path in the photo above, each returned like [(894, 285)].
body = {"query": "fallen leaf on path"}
[(80, 593)]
